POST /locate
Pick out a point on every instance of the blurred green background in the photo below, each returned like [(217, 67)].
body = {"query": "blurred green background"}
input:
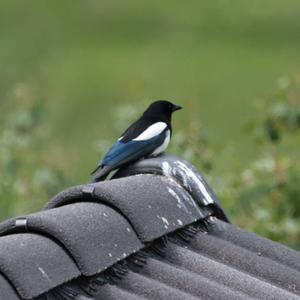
[(74, 74)]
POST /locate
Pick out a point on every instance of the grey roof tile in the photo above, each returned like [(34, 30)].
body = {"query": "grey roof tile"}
[(254, 263), (95, 235), (7, 292), (169, 216), (190, 282), (202, 275), (227, 275), (110, 293), (154, 205), (34, 264), (183, 173), (259, 245), (152, 288)]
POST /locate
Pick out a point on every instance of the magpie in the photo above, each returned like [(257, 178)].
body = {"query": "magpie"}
[(148, 136)]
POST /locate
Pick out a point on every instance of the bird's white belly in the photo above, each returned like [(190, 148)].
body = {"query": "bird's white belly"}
[(163, 146)]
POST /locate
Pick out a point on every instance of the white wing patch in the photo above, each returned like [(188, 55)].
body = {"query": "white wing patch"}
[(163, 146), (151, 131)]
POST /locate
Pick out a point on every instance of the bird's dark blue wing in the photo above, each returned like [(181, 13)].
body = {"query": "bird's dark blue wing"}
[(121, 153)]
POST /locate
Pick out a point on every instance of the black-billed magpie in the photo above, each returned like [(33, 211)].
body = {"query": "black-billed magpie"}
[(148, 136)]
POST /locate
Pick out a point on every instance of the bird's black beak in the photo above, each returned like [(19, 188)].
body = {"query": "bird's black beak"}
[(176, 107)]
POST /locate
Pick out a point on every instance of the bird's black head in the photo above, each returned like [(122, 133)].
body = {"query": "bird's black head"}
[(161, 109)]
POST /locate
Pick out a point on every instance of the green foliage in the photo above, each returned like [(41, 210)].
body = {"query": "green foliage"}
[(90, 57), (268, 194), (28, 176), (263, 195), (75, 73)]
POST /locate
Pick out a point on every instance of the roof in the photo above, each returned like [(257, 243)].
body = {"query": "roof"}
[(154, 231)]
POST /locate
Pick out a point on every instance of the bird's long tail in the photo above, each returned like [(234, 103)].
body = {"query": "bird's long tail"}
[(100, 173)]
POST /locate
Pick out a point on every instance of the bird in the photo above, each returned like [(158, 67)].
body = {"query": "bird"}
[(149, 136)]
